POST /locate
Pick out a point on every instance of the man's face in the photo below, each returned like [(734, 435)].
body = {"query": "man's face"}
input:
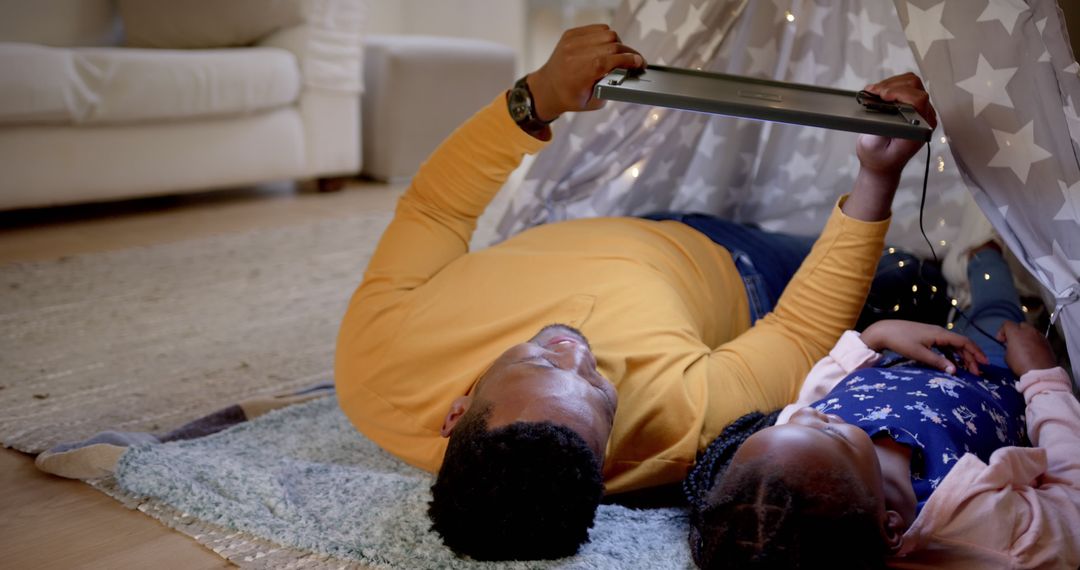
[(551, 377)]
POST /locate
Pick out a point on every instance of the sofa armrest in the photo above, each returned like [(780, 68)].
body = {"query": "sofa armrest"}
[(327, 44)]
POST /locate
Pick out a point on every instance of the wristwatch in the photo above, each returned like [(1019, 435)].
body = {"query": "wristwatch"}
[(523, 108)]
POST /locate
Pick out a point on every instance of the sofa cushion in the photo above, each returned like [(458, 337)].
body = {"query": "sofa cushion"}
[(120, 85), (205, 23)]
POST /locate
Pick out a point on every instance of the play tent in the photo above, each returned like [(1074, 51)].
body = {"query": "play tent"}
[(1001, 74)]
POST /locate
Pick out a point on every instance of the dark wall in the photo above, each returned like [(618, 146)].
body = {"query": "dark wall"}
[(1072, 22)]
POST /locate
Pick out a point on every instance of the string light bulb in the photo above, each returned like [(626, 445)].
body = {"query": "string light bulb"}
[(789, 16), (901, 264), (949, 326), (635, 172), (914, 288), (955, 302), (986, 276)]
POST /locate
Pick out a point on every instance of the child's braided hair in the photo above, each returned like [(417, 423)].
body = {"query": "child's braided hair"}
[(715, 459), (751, 515)]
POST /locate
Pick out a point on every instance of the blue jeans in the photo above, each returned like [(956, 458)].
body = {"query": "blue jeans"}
[(766, 261), (993, 302)]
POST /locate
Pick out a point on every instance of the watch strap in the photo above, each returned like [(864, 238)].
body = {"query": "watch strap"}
[(528, 121)]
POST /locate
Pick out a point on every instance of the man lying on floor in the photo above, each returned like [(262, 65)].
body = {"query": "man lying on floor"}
[(653, 315)]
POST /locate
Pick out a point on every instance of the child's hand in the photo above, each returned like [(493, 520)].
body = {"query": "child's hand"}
[(1026, 349), (914, 341), (885, 155)]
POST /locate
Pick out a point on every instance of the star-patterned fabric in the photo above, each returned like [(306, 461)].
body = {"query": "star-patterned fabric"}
[(1000, 73), (1005, 82), (631, 159)]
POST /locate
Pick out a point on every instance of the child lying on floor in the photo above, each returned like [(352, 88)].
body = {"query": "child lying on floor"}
[(884, 460)]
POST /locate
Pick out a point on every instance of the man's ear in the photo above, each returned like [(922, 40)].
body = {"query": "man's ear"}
[(894, 529), (458, 407)]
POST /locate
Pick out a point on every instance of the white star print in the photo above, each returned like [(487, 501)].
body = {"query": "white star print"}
[(800, 165), (1061, 269), (1070, 210), (988, 85), (762, 59), (1041, 26), (812, 134), (710, 141), (1073, 68), (1004, 11), (925, 27), (575, 143), (898, 59), (708, 49), (1018, 151), (692, 199), (1004, 210), (817, 15), (653, 16), (688, 133), (851, 166), (659, 173), (850, 79), (1072, 119), (807, 69), (863, 30), (808, 196), (692, 25), (697, 191), (746, 163), (614, 122), (903, 199)]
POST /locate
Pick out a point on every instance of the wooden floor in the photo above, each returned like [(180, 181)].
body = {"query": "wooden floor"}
[(49, 522)]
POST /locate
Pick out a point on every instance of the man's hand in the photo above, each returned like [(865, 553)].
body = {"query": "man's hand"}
[(882, 158), (914, 341), (582, 57), (1025, 348)]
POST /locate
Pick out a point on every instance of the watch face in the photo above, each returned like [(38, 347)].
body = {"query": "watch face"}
[(520, 106)]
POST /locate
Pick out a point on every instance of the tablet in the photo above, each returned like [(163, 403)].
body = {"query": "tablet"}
[(762, 99)]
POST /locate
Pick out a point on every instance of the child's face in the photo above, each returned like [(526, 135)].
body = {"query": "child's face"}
[(812, 440)]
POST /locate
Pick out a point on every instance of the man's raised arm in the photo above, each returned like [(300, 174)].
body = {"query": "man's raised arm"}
[(767, 364), (437, 215)]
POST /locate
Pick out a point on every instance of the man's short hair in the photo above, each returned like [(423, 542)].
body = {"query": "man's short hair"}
[(757, 518), (524, 491)]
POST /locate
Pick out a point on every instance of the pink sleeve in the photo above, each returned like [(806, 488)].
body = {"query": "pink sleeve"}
[(1053, 420), (1020, 510), (849, 354)]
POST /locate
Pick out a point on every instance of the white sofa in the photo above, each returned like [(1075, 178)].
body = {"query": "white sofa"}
[(419, 89), (202, 94)]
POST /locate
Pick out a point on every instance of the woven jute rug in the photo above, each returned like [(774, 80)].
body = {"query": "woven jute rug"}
[(147, 339)]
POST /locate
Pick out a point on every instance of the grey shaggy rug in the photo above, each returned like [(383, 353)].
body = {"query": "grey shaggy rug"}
[(304, 478), (146, 339)]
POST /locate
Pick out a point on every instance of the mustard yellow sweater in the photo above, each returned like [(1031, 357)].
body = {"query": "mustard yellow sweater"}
[(662, 305)]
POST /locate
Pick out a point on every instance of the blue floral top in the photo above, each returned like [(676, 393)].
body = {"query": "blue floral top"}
[(940, 416)]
